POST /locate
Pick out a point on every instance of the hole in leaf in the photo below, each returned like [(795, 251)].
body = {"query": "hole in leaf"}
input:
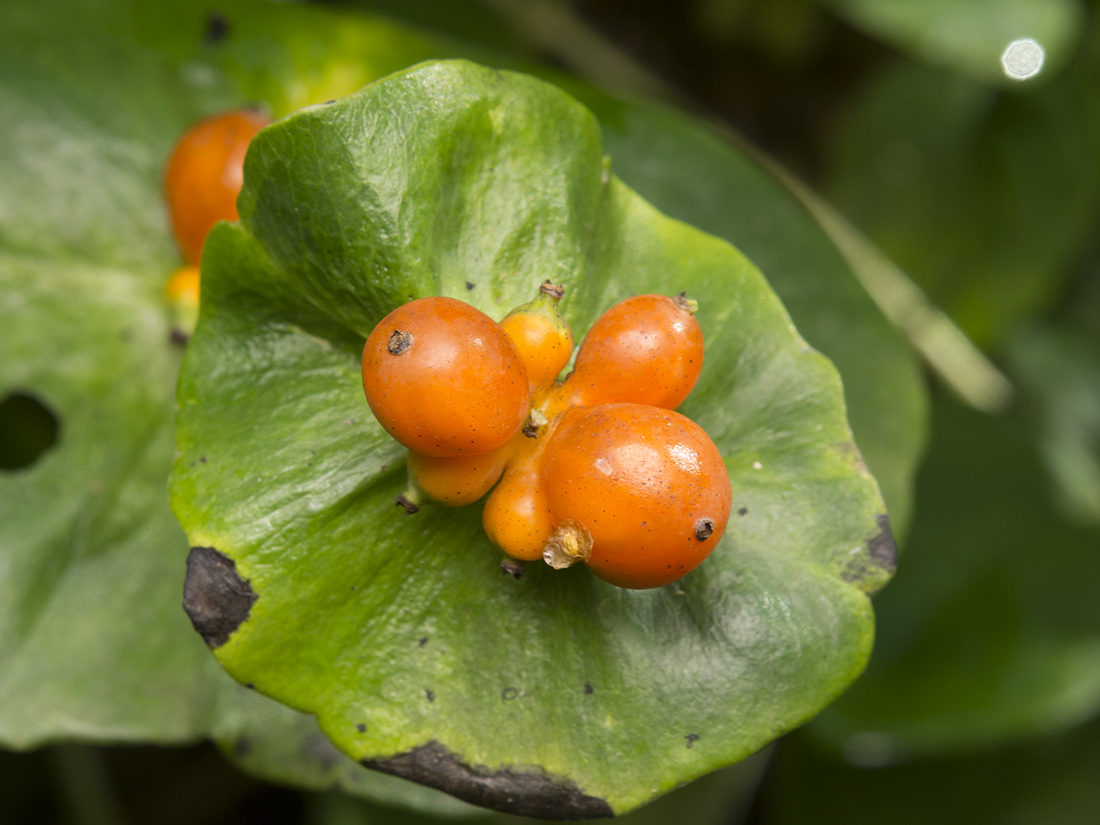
[(27, 429)]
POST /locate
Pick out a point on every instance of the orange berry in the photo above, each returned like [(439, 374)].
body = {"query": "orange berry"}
[(644, 350), (645, 487), (455, 481), (444, 379), (516, 517), (183, 286), (182, 293), (542, 335), (205, 173)]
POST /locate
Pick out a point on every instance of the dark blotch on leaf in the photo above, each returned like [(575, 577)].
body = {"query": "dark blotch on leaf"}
[(692, 738), (882, 556), (399, 342), (508, 694), (217, 28), (318, 749), (410, 508), (589, 689), (215, 597), (883, 548), (361, 728), (742, 511), (469, 285), (515, 569), (430, 694), (516, 792)]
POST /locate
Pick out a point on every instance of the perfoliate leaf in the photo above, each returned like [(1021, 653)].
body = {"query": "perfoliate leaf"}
[(556, 694)]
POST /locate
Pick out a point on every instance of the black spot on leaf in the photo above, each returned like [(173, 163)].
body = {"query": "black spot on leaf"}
[(361, 728), (873, 568), (523, 792), (216, 29), (691, 738), (215, 597), (882, 547)]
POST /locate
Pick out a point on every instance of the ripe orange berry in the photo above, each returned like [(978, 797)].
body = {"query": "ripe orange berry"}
[(516, 516), (542, 335), (644, 350), (644, 487), (454, 481), (444, 379), (205, 173)]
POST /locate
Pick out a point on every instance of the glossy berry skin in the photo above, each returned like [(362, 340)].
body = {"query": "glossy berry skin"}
[(542, 335), (205, 173), (455, 482), (644, 350), (648, 485), (444, 379), (516, 517)]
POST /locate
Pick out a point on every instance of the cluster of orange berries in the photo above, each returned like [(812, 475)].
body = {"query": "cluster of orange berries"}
[(596, 468), (204, 176)]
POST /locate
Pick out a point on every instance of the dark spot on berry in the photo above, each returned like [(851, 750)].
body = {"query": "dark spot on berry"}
[(704, 529), (399, 342)]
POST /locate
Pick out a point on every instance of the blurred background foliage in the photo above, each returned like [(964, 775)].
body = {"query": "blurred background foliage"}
[(981, 700)]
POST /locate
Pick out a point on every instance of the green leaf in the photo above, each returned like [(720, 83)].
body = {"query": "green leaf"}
[(969, 36), (989, 633), (416, 654), (985, 198)]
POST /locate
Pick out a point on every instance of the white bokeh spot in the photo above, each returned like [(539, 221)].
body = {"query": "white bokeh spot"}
[(1023, 59)]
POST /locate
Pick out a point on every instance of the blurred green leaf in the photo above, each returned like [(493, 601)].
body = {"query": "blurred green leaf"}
[(1060, 370), (969, 36), (1051, 781), (990, 633), (984, 197), (401, 634)]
